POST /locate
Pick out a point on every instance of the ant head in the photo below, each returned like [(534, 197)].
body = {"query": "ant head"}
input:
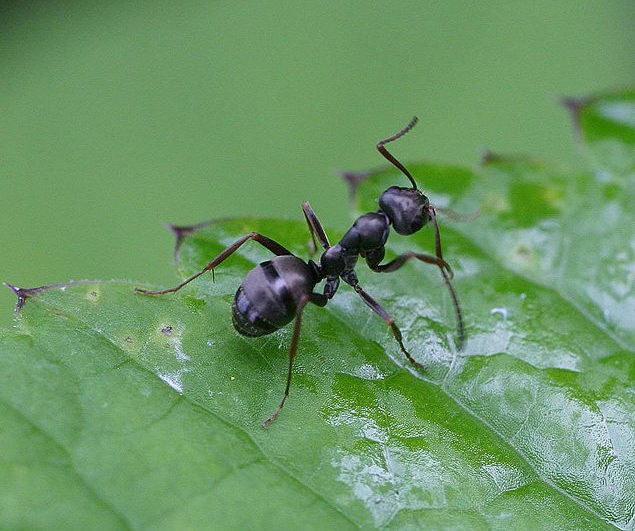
[(407, 209)]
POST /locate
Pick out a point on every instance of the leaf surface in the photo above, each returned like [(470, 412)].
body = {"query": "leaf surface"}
[(122, 410)]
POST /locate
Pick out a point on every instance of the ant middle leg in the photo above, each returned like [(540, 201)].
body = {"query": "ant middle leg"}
[(390, 321), (395, 264), (443, 266), (267, 243)]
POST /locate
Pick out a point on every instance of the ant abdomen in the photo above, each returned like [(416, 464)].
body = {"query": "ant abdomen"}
[(268, 297), (247, 319)]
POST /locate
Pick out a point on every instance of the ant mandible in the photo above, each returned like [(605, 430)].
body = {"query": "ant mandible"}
[(276, 291)]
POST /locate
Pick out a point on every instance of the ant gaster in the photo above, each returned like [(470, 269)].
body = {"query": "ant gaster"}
[(276, 291)]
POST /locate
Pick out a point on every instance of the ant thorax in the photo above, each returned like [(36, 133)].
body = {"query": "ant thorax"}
[(366, 238)]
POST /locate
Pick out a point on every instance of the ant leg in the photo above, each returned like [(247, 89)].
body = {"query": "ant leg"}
[(315, 227), (443, 267), (377, 308), (437, 234), (332, 283), (455, 299), (312, 243), (395, 264), (293, 348), (402, 259), (267, 243)]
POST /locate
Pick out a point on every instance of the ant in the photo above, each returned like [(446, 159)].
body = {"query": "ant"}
[(276, 291)]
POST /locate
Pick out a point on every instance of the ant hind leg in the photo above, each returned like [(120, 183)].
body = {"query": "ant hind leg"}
[(315, 228), (293, 348), (267, 243)]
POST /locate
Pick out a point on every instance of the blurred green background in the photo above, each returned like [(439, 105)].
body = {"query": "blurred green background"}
[(117, 116)]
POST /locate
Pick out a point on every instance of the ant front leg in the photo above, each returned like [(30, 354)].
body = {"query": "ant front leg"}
[(267, 243)]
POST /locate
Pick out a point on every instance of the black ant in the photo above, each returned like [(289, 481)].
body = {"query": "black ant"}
[(276, 291)]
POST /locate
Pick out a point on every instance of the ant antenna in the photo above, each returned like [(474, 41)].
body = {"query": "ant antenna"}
[(393, 160)]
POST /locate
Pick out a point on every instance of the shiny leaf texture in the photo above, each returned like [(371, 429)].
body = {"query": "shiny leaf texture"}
[(127, 411)]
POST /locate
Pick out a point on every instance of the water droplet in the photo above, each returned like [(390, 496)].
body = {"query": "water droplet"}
[(368, 372), (499, 311)]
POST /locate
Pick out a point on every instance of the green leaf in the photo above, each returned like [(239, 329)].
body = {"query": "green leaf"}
[(124, 410)]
